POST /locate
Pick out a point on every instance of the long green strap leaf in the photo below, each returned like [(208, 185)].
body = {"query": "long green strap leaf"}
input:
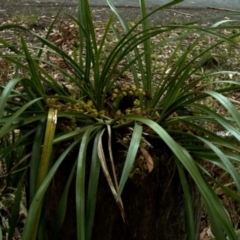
[(188, 202), (35, 159), (6, 127), (38, 198), (225, 189), (62, 208), (147, 82), (221, 120), (229, 166), (131, 156), (209, 196), (5, 94), (32, 68), (227, 104), (16, 206), (47, 145), (80, 185), (46, 157), (92, 188)]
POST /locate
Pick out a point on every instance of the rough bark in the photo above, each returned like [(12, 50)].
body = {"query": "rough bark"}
[(154, 207)]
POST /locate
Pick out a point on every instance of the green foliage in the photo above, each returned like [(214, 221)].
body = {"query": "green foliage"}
[(170, 108)]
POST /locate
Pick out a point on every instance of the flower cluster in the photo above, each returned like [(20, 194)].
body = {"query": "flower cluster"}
[(75, 106), (127, 99)]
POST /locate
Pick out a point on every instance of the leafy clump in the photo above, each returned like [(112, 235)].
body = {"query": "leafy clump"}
[(99, 109)]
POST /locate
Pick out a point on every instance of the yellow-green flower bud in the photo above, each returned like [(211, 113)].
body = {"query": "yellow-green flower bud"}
[(141, 159), (134, 88), (125, 140), (118, 112), (136, 102), (94, 113), (128, 111), (140, 90), (143, 145), (137, 110), (114, 95), (157, 114), (124, 93), (101, 113), (115, 90)]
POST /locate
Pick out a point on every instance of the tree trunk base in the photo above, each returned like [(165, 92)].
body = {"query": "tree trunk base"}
[(154, 206)]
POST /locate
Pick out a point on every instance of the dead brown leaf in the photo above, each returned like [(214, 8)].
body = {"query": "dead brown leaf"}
[(203, 234), (148, 159)]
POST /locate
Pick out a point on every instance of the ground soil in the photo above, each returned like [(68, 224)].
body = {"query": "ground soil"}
[(9, 8)]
